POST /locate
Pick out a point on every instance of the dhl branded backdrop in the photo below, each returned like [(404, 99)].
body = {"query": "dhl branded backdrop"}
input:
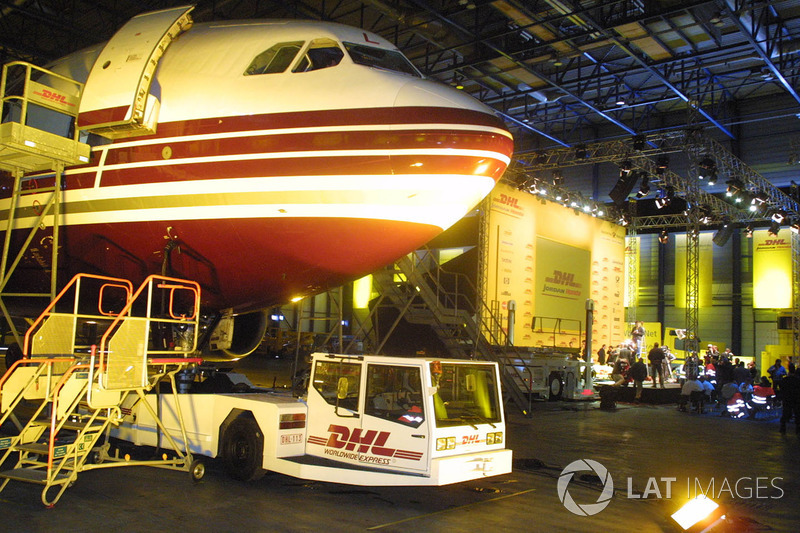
[(772, 269), (549, 260)]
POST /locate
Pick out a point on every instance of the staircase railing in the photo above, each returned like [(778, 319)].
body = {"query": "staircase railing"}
[(454, 300)]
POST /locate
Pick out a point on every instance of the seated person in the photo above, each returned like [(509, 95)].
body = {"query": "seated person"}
[(763, 396), (708, 388), (620, 372), (690, 386), (764, 388)]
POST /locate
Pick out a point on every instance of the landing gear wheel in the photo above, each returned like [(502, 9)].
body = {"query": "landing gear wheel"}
[(243, 449), (556, 387), (197, 470)]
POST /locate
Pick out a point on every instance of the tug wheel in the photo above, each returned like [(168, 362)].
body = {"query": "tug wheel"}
[(556, 387), (243, 449)]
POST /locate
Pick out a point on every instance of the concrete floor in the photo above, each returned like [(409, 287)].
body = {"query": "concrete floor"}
[(754, 471)]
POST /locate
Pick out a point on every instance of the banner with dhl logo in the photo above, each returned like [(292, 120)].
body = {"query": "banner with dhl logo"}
[(772, 269), (548, 260)]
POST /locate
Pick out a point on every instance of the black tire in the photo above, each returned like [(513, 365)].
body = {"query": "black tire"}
[(555, 386), (243, 449), (13, 354)]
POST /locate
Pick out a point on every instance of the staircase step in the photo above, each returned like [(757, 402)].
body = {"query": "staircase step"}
[(31, 475), (33, 447)]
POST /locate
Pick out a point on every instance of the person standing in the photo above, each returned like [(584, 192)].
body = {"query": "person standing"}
[(777, 372), (601, 355), (789, 392), (656, 359), (637, 335), (638, 372)]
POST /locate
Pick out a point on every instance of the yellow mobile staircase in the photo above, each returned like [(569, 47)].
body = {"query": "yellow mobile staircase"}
[(96, 343)]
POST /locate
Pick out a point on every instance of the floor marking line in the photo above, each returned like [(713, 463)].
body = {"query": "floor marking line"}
[(449, 510)]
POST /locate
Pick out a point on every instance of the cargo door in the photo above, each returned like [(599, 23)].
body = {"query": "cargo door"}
[(118, 101)]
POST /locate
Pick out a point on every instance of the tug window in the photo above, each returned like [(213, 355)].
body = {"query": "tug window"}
[(321, 53), (330, 378), (395, 393), (380, 58), (275, 59)]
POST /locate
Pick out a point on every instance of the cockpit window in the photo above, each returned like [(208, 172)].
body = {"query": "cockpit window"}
[(274, 59), (380, 58), (321, 53)]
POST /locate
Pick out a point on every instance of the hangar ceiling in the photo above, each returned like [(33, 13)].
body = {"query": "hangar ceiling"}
[(561, 72)]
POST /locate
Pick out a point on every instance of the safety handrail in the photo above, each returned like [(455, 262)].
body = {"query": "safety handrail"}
[(62, 101), (146, 290), (75, 283)]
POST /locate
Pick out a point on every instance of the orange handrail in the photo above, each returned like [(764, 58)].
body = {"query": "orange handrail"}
[(125, 284)]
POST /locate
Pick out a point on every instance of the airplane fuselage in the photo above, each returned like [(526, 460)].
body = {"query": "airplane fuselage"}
[(277, 184)]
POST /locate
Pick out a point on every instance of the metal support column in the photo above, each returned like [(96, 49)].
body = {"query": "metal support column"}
[(795, 293), (631, 271)]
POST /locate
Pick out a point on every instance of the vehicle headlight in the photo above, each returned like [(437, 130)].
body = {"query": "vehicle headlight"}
[(494, 438), (445, 443)]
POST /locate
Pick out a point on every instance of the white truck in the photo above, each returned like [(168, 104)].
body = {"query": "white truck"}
[(366, 420)]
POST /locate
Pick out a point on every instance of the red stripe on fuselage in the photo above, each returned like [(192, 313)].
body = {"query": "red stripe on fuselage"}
[(304, 166), (316, 141), (326, 118)]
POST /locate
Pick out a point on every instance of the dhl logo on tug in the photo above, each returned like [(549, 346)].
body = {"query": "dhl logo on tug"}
[(407, 421), (364, 446)]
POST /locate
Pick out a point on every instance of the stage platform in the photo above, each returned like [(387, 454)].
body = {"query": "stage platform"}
[(653, 396)]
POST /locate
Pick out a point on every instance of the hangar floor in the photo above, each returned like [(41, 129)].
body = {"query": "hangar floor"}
[(748, 467)]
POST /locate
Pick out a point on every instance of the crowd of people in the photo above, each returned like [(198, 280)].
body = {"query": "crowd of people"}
[(720, 379)]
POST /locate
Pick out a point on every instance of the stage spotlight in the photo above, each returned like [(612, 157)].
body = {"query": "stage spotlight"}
[(625, 183), (662, 164), (623, 220), (558, 178), (712, 179), (541, 158), (707, 166), (779, 216), (580, 152), (664, 197), (774, 228), (706, 214), (663, 237), (795, 226), (722, 235), (638, 143), (644, 188), (748, 232), (758, 201)]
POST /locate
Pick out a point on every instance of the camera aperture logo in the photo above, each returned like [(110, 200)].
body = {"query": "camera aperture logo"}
[(586, 509)]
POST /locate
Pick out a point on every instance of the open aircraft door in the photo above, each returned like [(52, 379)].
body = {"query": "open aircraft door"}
[(117, 100)]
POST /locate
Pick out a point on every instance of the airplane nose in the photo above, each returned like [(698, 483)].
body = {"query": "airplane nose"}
[(429, 93)]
